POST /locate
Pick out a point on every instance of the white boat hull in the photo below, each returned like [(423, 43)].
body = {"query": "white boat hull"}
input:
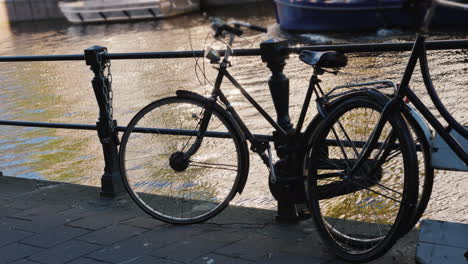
[(105, 11)]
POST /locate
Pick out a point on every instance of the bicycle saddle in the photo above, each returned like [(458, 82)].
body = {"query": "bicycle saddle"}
[(326, 59)]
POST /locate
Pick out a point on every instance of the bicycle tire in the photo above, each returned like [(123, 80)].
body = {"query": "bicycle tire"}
[(197, 188), (426, 171), (394, 205)]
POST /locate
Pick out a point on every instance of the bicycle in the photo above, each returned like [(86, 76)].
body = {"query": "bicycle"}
[(172, 173), (377, 144)]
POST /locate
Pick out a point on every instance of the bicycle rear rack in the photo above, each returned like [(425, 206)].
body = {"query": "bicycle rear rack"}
[(377, 85)]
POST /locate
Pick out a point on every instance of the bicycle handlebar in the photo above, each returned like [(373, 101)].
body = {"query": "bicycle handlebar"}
[(239, 24), (220, 26)]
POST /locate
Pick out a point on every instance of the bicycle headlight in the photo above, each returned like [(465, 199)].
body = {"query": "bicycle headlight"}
[(212, 55)]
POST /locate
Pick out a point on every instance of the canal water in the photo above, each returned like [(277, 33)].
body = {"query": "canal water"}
[(61, 91)]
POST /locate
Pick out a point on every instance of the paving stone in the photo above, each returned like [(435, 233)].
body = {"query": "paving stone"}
[(12, 223), (8, 236), (98, 221), (77, 213), (126, 250), (16, 251), (112, 234), (224, 235), (8, 211), (187, 250), (311, 246), (440, 254), (88, 261), (444, 233), (339, 261), (159, 243), (64, 252), (219, 259), (173, 233), (43, 223), (152, 260), (54, 236), (16, 188), (144, 244), (281, 258), (254, 248), (40, 211), (19, 204), (144, 222), (25, 261)]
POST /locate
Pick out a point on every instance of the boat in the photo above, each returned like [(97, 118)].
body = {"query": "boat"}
[(93, 11), (358, 15)]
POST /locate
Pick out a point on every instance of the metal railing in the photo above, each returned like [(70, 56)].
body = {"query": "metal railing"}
[(98, 59)]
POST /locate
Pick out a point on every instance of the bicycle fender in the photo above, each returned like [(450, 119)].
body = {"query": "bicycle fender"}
[(227, 115), (413, 117), (416, 119), (378, 96), (191, 95)]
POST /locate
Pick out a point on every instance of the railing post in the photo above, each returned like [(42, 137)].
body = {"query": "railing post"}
[(111, 181), (284, 191), (273, 54)]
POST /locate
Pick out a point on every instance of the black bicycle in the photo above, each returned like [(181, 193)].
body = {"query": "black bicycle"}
[(363, 150), (185, 157)]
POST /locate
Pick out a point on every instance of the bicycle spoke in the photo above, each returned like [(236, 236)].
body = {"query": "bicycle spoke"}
[(348, 138), (391, 156), (188, 140), (386, 196), (208, 163), (341, 147), (377, 222), (388, 188), (201, 165), (181, 191)]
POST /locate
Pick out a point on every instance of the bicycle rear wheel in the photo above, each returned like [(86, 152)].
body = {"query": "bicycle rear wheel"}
[(426, 171), (360, 216), (170, 184)]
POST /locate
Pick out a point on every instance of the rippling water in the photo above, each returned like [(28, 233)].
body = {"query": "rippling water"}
[(61, 91)]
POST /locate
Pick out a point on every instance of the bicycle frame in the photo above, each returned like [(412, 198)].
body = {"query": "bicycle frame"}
[(396, 106), (258, 145)]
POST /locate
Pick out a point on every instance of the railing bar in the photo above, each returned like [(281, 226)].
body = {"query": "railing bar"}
[(183, 132), (48, 125), (347, 48), (122, 128), (70, 57)]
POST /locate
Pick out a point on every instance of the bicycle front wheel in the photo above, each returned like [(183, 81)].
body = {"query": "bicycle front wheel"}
[(175, 170), (360, 215)]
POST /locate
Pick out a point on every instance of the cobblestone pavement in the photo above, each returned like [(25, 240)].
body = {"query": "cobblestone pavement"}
[(49, 222)]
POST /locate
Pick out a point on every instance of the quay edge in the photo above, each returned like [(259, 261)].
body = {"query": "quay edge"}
[(29, 10), (12, 11)]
